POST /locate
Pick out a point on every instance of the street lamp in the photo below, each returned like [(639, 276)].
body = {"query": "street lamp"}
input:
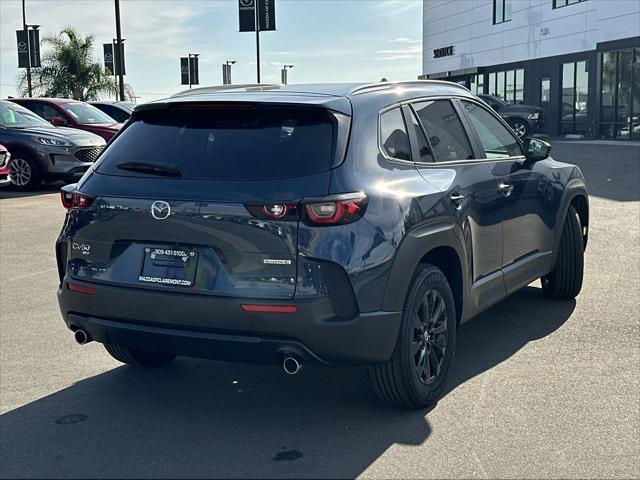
[(283, 73), (118, 53), (226, 72)]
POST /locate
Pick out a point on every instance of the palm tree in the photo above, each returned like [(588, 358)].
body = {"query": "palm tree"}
[(69, 70)]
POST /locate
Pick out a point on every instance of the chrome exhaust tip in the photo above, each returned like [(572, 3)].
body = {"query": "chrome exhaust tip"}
[(81, 337), (291, 365)]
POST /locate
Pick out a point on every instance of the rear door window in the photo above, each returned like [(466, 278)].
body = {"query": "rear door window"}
[(241, 143), (424, 149), (446, 133), (394, 139)]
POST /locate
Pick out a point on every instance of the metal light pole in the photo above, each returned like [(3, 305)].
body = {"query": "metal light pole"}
[(25, 26), (120, 50), (284, 73)]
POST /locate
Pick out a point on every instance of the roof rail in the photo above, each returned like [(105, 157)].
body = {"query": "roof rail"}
[(227, 88), (385, 85)]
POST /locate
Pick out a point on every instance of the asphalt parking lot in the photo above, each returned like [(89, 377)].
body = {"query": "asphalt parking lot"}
[(540, 388)]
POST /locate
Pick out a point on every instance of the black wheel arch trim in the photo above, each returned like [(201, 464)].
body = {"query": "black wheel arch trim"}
[(416, 244), (19, 147), (16, 148), (575, 188)]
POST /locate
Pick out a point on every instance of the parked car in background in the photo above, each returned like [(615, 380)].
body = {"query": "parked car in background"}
[(5, 156), (72, 113), (119, 111), (525, 120), (356, 225), (41, 151)]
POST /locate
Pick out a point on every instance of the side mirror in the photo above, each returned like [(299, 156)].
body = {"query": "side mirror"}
[(58, 121), (536, 149)]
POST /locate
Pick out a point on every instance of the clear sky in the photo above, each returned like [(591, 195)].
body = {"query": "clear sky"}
[(326, 40)]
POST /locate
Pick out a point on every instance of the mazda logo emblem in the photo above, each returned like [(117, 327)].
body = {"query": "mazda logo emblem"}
[(160, 210)]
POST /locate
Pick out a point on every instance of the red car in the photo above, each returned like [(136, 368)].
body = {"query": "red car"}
[(4, 166), (72, 113)]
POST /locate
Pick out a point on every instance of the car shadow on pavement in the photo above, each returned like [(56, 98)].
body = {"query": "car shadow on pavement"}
[(11, 192), (198, 418)]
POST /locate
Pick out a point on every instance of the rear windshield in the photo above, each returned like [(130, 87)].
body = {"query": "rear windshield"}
[(250, 143)]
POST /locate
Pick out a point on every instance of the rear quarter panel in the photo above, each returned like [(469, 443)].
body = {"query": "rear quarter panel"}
[(400, 200)]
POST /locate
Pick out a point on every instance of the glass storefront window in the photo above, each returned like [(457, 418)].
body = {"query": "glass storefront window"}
[(477, 83), (582, 97), (574, 99), (545, 91), (509, 95), (635, 96), (608, 93), (508, 85), (500, 85), (620, 94), (519, 85)]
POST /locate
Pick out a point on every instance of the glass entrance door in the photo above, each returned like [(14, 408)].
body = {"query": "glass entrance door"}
[(620, 94), (575, 95), (545, 99)]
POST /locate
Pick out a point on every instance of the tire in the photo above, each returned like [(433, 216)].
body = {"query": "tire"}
[(520, 127), (400, 381), (138, 358), (565, 282), (24, 172)]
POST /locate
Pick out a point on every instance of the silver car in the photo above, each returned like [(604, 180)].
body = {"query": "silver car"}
[(40, 151)]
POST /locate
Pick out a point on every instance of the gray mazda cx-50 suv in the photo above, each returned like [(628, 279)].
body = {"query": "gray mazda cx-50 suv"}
[(333, 224), (40, 151)]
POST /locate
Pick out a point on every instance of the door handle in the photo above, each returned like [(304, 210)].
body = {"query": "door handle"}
[(457, 199), (505, 187)]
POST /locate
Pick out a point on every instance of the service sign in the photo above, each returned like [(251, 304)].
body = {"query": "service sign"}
[(443, 52)]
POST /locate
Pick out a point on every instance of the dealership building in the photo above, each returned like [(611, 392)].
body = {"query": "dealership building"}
[(577, 59)]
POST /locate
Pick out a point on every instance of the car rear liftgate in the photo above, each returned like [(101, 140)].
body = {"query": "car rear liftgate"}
[(210, 204)]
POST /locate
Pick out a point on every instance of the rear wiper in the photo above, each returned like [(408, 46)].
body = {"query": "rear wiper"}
[(152, 168)]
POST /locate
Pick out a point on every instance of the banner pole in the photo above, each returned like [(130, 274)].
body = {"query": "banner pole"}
[(24, 23)]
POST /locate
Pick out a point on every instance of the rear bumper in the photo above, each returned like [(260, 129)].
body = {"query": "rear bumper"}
[(216, 327)]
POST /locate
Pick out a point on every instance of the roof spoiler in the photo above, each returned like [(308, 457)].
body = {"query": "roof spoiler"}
[(245, 87)]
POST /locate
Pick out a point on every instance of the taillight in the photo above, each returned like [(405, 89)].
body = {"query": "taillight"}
[(75, 199), (274, 211), (337, 209), (332, 210)]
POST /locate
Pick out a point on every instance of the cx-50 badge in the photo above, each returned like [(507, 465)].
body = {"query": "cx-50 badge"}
[(160, 210)]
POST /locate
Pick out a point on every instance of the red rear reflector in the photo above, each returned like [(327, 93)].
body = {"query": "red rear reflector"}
[(270, 308), (81, 289)]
